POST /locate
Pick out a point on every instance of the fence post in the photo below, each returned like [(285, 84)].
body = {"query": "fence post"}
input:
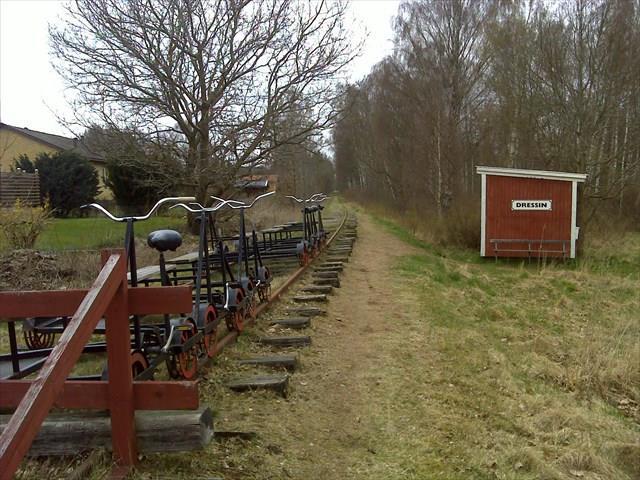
[(121, 399)]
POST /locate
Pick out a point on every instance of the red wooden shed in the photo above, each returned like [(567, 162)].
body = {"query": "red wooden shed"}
[(528, 213)]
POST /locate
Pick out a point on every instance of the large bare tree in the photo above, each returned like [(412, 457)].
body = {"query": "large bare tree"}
[(218, 73)]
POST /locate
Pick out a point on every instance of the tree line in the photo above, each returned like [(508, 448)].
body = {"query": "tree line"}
[(526, 84)]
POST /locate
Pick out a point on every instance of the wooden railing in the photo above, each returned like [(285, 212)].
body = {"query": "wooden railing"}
[(109, 297)]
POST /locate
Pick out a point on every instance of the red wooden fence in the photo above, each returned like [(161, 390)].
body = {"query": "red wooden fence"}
[(112, 298)]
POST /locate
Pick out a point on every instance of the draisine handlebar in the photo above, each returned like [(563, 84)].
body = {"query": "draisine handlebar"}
[(315, 198), (238, 204), (140, 217), (200, 208)]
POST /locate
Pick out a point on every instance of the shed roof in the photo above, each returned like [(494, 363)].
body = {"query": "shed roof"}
[(58, 141), (260, 183), (542, 174)]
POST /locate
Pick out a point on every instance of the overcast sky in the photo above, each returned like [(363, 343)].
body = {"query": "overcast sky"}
[(32, 95)]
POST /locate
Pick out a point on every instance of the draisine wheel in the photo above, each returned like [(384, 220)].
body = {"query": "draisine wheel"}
[(238, 319), (264, 293), (210, 340), (172, 366), (235, 318), (139, 363), (36, 339), (252, 305), (184, 364), (251, 301), (304, 258)]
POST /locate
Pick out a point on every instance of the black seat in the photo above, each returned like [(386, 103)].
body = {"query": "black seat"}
[(163, 240)]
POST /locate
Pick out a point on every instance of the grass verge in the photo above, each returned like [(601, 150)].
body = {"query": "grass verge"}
[(532, 370)]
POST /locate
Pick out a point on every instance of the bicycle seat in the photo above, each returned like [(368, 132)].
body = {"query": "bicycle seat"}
[(163, 240)]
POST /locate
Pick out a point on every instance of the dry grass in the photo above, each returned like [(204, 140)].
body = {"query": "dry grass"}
[(541, 363), (459, 228)]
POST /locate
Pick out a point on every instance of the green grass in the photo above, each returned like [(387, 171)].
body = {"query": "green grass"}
[(94, 232)]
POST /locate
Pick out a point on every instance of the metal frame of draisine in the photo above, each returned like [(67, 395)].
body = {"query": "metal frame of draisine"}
[(185, 341)]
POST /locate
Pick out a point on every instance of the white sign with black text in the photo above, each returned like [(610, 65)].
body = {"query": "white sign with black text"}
[(530, 204)]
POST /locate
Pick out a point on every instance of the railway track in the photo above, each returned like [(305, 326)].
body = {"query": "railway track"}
[(231, 336), (330, 263)]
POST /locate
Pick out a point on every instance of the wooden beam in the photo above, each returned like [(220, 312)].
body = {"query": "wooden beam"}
[(319, 297), (93, 395), (334, 282), (292, 322), (59, 303), (120, 385), (330, 268), (40, 304), (286, 341), (308, 311), (318, 289), (164, 431), (278, 383), (157, 300), (288, 362), (330, 274)]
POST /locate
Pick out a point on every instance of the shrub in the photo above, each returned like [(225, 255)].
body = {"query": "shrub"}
[(140, 180), (67, 181), (24, 163), (461, 226), (22, 224)]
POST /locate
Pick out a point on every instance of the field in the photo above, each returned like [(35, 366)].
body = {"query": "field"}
[(531, 369), (434, 363), (94, 232)]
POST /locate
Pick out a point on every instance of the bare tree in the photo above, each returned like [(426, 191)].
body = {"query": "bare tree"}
[(514, 83), (216, 72), (441, 51)]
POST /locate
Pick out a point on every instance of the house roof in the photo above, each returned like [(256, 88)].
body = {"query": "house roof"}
[(58, 141), (262, 183), (543, 174), (256, 181)]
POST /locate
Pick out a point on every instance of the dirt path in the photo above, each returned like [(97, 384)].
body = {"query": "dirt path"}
[(328, 428), (342, 374)]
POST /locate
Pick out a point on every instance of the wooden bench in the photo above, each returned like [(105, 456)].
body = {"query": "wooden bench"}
[(534, 247), (151, 272), (186, 258)]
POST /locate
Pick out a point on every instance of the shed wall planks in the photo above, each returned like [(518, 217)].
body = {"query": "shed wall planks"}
[(504, 223)]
